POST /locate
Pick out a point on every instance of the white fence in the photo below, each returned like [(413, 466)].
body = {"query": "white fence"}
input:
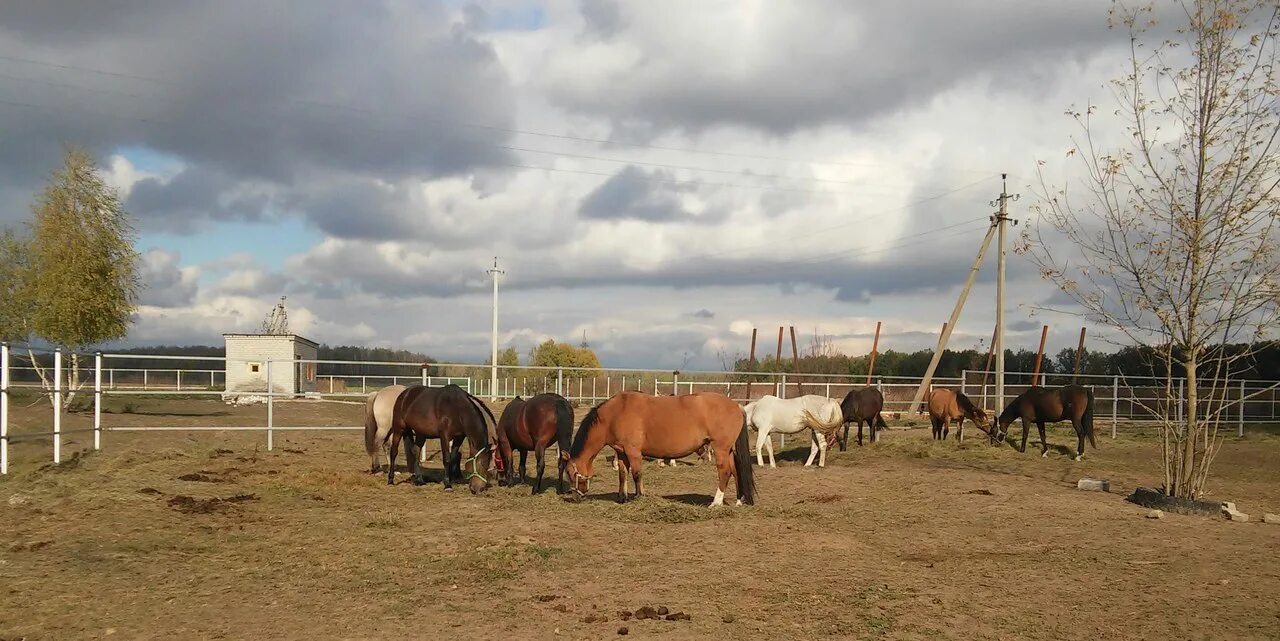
[(1117, 398)]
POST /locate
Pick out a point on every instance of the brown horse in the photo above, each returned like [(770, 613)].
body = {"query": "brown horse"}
[(949, 405), (451, 414), (1041, 405), (636, 425), (533, 425), (860, 406)]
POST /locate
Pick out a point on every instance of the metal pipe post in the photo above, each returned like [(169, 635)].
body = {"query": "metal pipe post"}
[(1240, 423), (1115, 403), (97, 401), (57, 406), (4, 408), (270, 409)]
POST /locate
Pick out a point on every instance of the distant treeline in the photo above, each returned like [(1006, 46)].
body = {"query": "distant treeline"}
[(326, 352), (1129, 361)]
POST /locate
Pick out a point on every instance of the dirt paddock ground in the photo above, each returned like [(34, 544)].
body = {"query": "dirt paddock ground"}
[(207, 535)]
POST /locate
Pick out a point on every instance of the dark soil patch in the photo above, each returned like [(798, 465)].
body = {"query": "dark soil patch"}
[(189, 505), (1155, 499)]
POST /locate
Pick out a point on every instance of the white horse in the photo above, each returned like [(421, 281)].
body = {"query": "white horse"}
[(789, 416), (378, 411)]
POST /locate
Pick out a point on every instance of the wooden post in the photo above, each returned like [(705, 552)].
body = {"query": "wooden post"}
[(751, 365), (795, 361), (1079, 357), (986, 370), (875, 344), (777, 360), (955, 318), (1035, 372)]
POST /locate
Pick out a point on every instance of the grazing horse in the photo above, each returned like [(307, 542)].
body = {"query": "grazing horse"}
[(948, 405), (378, 412), (636, 425), (859, 406), (1041, 405), (533, 425), (819, 414), (451, 414)]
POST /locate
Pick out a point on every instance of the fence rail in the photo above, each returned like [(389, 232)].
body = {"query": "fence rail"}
[(1117, 398)]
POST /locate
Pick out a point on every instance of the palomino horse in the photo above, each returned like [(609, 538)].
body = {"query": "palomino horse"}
[(533, 425), (636, 425), (1040, 405), (949, 405), (859, 406), (378, 412), (450, 414), (789, 416)]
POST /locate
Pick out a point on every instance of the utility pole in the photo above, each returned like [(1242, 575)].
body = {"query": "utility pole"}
[(1001, 220), (493, 353)]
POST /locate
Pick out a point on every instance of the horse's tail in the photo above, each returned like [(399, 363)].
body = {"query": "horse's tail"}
[(821, 425), (564, 426), (370, 427), (1087, 419), (880, 421), (742, 466)]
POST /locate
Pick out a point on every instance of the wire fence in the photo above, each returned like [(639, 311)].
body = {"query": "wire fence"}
[(1116, 398)]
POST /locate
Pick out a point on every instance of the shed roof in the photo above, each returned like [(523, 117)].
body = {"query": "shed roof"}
[(294, 337)]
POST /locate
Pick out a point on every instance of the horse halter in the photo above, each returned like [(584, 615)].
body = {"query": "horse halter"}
[(474, 472), (573, 479)]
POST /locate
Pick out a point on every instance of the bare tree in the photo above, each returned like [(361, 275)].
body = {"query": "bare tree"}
[(1169, 237)]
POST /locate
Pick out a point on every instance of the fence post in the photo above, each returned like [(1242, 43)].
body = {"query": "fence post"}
[(179, 380), (97, 400), (111, 374), (560, 381), (270, 407), (4, 408), (364, 384), (608, 386), (424, 377), (1115, 403), (57, 405), (782, 389), (212, 384), (675, 383), (1240, 424), (964, 376), (144, 379)]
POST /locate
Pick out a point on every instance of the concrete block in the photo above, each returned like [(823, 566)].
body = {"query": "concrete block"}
[(1274, 519), (1155, 514), (1095, 485)]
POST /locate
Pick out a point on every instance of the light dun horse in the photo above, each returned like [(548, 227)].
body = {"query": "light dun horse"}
[(949, 405), (378, 412), (819, 414), (636, 425)]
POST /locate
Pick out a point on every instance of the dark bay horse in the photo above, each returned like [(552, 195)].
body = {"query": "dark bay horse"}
[(860, 406), (949, 405), (452, 415), (637, 425), (533, 425), (1042, 405)]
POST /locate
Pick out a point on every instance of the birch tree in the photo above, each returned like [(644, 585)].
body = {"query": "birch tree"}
[(1168, 237)]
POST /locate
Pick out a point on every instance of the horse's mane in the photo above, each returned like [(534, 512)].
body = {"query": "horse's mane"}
[(580, 439), (1012, 410), (964, 402)]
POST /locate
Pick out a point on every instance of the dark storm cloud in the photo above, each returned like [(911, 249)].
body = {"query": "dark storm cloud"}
[(845, 62), (703, 313), (163, 283), (269, 93), (633, 194)]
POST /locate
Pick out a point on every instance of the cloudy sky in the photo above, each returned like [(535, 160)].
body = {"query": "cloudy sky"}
[(660, 175)]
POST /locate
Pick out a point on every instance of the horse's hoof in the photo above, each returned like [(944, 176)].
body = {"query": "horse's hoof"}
[(737, 503), (1044, 454), (1078, 457), (448, 488)]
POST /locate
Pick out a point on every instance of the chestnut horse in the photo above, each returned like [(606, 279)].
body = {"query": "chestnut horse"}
[(860, 406), (533, 425), (451, 414), (948, 405), (636, 425), (1041, 405)]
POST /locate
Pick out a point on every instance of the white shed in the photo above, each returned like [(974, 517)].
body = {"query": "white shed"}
[(248, 355)]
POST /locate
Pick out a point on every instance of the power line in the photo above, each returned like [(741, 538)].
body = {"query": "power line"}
[(510, 130)]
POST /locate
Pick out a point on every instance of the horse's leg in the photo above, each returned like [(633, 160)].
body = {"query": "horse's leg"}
[(960, 430), (822, 448), (508, 474), (1026, 427), (524, 455), (813, 448), (946, 428), (636, 462), (768, 443), (623, 464), (391, 458), (457, 458), (761, 436), (859, 432), (871, 425), (446, 455), (1075, 422), (1044, 443), (724, 470), (537, 454), (844, 442)]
